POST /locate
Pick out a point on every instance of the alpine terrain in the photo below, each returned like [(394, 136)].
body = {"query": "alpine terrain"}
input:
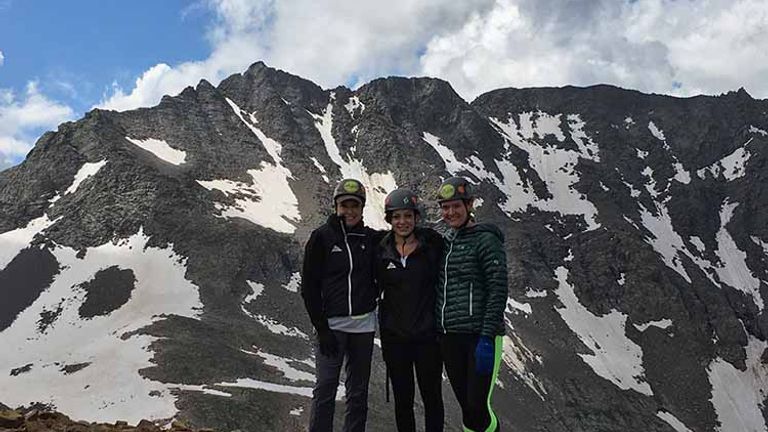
[(149, 259)]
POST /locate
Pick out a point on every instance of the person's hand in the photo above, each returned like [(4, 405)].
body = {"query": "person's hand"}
[(327, 342), (484, 356)]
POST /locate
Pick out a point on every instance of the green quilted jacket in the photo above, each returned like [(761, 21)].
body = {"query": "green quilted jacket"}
[(472, 289)]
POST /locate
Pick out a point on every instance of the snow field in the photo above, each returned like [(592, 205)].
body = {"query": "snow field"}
[(731, 167), (738, 395), (555, 166), (268, 199), (615, 357), (110, 387)]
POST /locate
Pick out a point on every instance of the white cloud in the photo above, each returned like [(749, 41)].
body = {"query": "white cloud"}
[(22, 119), (2, 58), (329, 42), (664, 46)]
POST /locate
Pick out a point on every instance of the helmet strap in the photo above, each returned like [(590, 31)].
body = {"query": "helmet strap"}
[(469, 214)]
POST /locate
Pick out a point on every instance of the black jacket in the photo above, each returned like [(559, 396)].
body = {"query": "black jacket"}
[(337, 275), (407, 307)]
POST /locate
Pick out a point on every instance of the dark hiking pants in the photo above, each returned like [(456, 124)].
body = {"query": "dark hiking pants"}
[(473, 391), (356, 348), (423, 357)]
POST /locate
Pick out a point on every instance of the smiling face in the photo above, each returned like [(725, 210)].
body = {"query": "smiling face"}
[(455, 213), (350, 210), (403, 222)]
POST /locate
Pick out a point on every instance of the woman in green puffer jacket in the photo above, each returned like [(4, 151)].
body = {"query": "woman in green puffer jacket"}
[(471, 298)]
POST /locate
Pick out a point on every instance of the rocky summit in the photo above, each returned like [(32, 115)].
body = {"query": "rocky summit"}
[(149, 259)]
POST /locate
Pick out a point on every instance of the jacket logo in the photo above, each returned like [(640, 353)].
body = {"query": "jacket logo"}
[(391, 266), (335, 249)]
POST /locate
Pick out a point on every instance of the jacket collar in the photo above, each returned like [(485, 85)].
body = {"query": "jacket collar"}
[(387, 244)]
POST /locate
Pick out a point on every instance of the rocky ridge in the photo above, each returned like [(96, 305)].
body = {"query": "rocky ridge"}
[(635, 228)]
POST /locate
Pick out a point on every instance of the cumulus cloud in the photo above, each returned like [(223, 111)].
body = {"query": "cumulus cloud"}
[(21, 120), (664, 46), (329, 42), (2, 58)]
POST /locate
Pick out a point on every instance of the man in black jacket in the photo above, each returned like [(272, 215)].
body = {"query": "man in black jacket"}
[(340, 296)]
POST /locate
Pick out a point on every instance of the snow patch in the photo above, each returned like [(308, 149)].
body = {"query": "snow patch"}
[(761, 243), (697, 243), (12, 242), (110, 387), (634, 193), (377, 185), (655, 131), (200, 388), (353, 104), (161, 149), (753, 129), (533, 294), (681, 174), (518, 358), (274, 326), (676, 424), (320, 168), (293, 283), (474, 165), (651, 185), (88, 169), (554, 165), (283, 365), (738, 395), (297, 411), (615, 357), (275, 388), (513, 305), (733, 269), (268, 199), (731, 167), (271, 387), (665, 240), (256, 290), (641, 154), (662, 324)]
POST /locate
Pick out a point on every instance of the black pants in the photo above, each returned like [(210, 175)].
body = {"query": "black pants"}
[(473, 391), (402, 359), (357, 349)]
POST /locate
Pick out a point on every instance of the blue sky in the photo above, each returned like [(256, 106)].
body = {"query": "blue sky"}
[(59, 59), (76, 50)]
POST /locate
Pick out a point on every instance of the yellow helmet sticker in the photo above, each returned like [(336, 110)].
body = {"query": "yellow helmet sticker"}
[(351, 186), (447, 191)]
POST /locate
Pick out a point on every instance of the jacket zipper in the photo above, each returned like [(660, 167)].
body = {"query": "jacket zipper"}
[(351, 266), (470, 298), (445, 286)]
